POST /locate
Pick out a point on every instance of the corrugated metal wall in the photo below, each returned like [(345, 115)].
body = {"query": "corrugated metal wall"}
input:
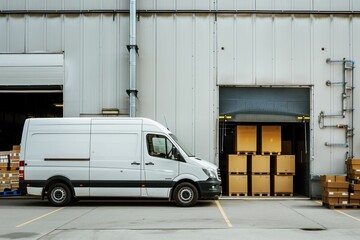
[(183, 57)]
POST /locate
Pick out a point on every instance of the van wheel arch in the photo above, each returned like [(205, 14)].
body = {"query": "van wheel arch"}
[(58, 179), (187, 184)]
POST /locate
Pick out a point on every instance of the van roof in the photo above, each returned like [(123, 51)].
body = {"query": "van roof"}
[(148, 124)]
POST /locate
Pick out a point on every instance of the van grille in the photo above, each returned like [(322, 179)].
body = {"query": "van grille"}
[(218, 174)]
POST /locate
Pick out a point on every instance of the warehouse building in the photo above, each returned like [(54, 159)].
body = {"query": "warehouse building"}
[(202, 68)]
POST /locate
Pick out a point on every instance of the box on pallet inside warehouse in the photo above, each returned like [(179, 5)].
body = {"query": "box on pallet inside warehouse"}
[(238, 185), (353, 169), (283, 164), (237, 164), (245, 141), (271, 139), (260, 185), (354, 196), (259, 164), (282, 185)]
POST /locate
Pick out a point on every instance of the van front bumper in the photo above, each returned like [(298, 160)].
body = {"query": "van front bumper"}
[(210, 189)]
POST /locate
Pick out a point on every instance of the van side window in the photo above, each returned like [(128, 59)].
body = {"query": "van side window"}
[(159, 146)]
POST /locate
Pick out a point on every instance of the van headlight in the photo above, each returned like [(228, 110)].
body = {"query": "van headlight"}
[(211, 173)]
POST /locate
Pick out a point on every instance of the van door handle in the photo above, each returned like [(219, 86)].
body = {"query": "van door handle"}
[(149, 163), (135, 163)]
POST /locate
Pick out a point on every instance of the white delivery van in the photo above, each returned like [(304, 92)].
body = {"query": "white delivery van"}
[(66, 159)]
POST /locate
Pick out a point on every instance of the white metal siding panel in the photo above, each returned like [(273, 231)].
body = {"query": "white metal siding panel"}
[(283, 50), (73, 65), (146, 79), (185, 4), (72, 4), (17, 33), (54, 4), (226, 4), (108, 65), (91, 4), (145, 4), (264, 51), (356, 57), (225, 49), (5, 35), (244, 50), (204, 4), (165, 4), (283, 4), (53, 33), (264, 4), (17, 4), (165, 71), (184, 79), (302, 51), (322, 5), (302, 4), (36, 5), (36, 33), (355, 5), (323, 159), (204, 115), (91, 87), (341, 5)]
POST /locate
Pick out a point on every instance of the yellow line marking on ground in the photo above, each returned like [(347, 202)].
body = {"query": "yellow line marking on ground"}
[(223, 214), (341, 212), (348, 215), (38, 218)]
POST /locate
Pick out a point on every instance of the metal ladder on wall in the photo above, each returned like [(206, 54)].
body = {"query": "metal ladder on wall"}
[(347, 106)]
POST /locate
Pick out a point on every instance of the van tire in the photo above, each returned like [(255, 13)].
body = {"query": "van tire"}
[(185, 195), (59, 194)]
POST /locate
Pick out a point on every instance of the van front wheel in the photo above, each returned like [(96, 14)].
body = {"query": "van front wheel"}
[(59, 194), (185, 195)]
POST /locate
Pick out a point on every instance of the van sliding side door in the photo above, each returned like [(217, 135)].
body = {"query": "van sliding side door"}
[(115, 158)]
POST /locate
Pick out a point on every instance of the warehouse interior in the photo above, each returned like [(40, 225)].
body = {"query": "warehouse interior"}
[(257, 107), (17, 104)]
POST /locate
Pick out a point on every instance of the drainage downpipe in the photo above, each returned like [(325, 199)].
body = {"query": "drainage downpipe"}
[(132, 50)]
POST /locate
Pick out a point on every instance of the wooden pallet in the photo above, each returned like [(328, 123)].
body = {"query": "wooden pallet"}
[(238, 194), (284, 174), (245, 153), (260, 173), (237, 173), (283, 194), (260, 194), (342, 206), (270, 153)]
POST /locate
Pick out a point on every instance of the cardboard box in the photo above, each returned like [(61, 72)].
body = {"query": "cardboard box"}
[(335, 194), (16, 148), (354, 196), (283, 164), (331, 178), (260, 164), (282, 184), (237, 163), (331, 200), (245, 139), (337, 186), (260, 184), (271, 139), (238, 184), (355, 187)]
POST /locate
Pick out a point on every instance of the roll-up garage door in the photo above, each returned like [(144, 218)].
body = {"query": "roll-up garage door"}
[(31, 85), (257, 104), (31, 70)]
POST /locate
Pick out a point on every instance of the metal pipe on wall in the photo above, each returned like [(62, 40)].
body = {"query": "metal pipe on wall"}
[(132, 62)]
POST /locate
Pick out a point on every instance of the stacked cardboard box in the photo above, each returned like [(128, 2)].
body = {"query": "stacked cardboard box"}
[(260, 175), (282, 175), (245, 139), (237, 169), (353, 170), (354, 196), (9, 169), (335, 190), (271, 139)]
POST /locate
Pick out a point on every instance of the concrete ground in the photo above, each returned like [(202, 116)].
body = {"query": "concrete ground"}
[(247, 218)]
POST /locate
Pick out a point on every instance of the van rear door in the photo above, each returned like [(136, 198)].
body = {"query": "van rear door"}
[(115, 157)]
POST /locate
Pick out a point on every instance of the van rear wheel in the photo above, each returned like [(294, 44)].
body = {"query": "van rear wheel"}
[(59, 194), (185, 195)]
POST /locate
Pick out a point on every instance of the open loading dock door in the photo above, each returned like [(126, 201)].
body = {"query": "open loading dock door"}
[(286, 108), (31, 85)]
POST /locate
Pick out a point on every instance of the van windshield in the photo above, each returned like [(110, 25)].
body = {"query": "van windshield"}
[(181, 145)]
